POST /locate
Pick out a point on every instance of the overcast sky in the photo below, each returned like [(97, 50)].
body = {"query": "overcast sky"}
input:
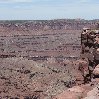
[(48, 9)]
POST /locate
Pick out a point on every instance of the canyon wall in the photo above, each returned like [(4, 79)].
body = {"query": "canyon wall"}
[(43, 39)]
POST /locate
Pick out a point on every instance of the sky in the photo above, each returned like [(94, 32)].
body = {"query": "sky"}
[(48, 9)]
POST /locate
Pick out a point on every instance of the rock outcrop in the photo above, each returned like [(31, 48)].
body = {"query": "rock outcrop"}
[(90, 47)]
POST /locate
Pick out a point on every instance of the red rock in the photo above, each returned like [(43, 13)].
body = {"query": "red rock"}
[(68, 95), (96, 70), (93, 94), (76, 89)]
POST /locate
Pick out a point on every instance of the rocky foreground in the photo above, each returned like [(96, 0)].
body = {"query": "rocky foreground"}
[(21, 78), (26, 79), (83, 91)]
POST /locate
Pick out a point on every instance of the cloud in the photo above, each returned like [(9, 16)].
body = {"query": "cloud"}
[(85, 0), (49, 9), (14, 1)]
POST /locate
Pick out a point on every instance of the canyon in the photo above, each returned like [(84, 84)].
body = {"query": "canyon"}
[(46, 59)]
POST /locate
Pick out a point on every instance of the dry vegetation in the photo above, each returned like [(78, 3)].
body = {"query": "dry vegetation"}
[(22, 78)]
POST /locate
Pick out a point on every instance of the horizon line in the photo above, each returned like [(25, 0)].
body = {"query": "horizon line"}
[(45, 19)]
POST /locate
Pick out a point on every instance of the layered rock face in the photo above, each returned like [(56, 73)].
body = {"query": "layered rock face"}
[(42, 46), (90, 47), (43, 39)]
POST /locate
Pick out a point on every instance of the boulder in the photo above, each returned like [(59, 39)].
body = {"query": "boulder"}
[(68, 95), (83, 67), (97, 55), (75, 92), (93, 94), (76, 89), (96, 70), (92, 97)]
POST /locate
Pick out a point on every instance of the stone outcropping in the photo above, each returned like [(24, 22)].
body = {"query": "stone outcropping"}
[(90, 49)]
